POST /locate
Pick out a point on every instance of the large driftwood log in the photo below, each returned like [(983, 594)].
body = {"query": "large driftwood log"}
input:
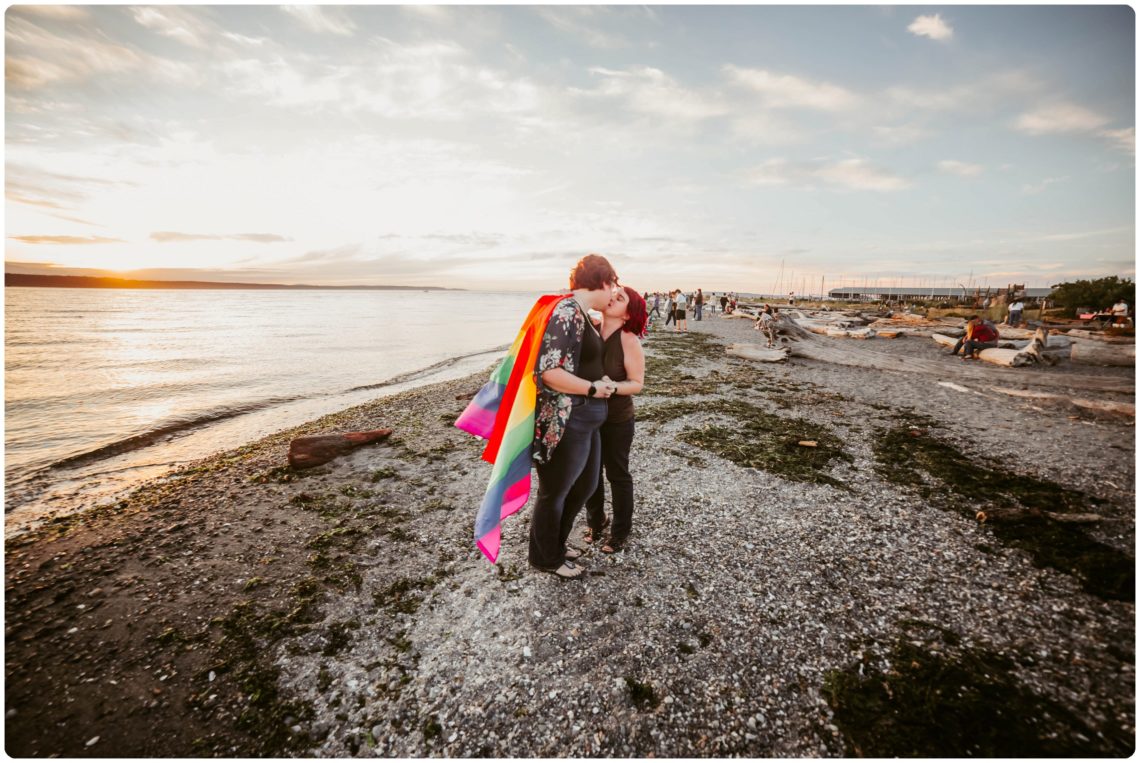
[(306, 452), (1102, 406), (1100, 354), (756, 352), (1100, 336)]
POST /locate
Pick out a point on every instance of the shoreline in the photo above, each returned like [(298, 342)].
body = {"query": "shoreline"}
[(239, 608), (60, 497)]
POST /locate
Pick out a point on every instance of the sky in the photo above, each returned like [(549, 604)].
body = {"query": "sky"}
[(745, 148)]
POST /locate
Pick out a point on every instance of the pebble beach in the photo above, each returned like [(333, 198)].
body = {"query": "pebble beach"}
[(939, 573)]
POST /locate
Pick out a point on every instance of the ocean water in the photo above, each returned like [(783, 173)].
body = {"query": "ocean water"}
[(105, 388)]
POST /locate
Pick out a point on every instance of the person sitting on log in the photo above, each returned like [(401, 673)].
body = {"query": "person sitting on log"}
[(980, 335)]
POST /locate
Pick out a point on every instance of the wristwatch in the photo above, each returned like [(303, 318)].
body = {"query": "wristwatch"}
[(593, 389)]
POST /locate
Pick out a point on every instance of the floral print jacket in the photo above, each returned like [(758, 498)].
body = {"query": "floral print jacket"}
[(561, 348)]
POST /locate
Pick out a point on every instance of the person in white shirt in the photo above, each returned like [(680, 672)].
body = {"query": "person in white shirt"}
[(1015, 313), (679, 323), (1120, 313)]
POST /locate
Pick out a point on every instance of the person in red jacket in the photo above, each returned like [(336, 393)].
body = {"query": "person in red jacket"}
[(980, 335)]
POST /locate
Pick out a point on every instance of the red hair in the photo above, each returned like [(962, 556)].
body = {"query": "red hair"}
[(592, 272), (638, 316)]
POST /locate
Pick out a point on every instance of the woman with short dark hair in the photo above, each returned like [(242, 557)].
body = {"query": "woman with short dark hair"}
[(569, 411)]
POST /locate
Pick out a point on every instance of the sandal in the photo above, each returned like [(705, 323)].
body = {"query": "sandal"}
[(613, 546), (568, 571), (571, 554), (591, 535)]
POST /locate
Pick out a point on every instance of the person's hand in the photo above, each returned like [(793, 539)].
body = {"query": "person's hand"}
[(604, 388)]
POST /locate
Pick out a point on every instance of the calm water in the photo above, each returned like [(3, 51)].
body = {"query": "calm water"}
[(105, 388)]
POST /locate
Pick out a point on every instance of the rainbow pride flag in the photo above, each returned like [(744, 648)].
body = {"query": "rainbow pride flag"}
[(502, 413)]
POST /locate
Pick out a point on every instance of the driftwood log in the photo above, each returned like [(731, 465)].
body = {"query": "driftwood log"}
[(756, 352), (1094, 353), (1101, 406), (307, 452)]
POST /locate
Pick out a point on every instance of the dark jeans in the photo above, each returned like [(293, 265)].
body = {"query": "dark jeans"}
[(697, 312), (566, 481), (970, 347), (1014, 317), (616, 442)]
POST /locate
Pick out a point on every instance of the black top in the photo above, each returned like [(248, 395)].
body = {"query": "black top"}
[(613, 361), (590, 361)]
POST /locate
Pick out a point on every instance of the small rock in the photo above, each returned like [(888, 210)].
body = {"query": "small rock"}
[(377, 732), (91, 741), (212, 676), (11, 713), (526, 652)]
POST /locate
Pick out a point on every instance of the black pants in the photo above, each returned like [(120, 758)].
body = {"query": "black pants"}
[(566, 481), (616, 442)]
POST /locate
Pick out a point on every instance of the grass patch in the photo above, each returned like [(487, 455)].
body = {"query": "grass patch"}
[(954, 703), (909, 455)]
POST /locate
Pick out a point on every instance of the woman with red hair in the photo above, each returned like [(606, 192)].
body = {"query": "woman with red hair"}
[(570, 408), (623, 325)]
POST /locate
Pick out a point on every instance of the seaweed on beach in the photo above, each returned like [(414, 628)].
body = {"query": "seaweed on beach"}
[(758, 439), (947, 478), (936, 699)]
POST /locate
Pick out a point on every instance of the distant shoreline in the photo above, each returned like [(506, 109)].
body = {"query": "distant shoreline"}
[(96, 282)]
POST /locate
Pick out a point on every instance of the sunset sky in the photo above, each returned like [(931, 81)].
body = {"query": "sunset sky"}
[(491, 146)]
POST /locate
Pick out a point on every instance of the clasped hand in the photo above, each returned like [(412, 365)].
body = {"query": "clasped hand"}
[(605, 387)]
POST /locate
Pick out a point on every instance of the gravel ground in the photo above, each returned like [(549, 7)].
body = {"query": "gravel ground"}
[(767, 605)]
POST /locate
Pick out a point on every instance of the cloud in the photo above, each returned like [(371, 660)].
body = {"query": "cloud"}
[(57, 12), (172, 22), (1032, 188), (70, 240), (789, 91), (1059, 118), (852, 174), (955, 167), (899, 135), (931, 26), (579, 22), (171, 236), (321, 19), (652, 92), (1124, 139), (36, 57)]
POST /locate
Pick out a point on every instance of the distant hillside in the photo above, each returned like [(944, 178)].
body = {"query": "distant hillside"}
[(89, 282)]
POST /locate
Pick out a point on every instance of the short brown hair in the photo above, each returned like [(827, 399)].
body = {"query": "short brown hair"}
[(592, 272)]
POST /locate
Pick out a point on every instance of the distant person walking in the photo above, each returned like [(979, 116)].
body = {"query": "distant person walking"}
[(698, 304), (670, 311), (723, 303), (623, 360), (657, 304)]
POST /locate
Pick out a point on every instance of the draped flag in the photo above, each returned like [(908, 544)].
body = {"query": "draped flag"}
[(502, 413)]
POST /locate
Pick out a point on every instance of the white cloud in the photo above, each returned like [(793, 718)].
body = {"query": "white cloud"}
[(585, 24), (58, 12), (955, 167), (172, 22), (861, 175), (789, 91), (898, 135), (37, 58), (1059, 118), (651, 92), (321, 19), (931, 26), (1033, 188), (852, 174), (1124, 139)]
